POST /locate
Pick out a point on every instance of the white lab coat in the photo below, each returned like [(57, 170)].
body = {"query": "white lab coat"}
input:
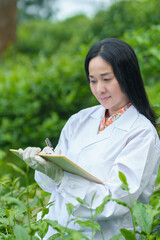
[(130, 145)]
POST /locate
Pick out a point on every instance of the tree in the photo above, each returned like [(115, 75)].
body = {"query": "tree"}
[(39, 9), (7, 23)]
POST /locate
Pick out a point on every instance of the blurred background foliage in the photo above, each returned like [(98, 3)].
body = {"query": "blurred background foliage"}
[(42, 79)]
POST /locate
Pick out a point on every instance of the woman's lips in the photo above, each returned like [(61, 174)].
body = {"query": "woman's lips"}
[(105, 99)]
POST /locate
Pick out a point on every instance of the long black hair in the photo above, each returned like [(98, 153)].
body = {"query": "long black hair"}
[(126, 70)]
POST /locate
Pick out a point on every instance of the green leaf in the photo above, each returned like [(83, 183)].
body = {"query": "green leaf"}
[(100, 208), (129, 235), (21, 232), (44, 212), (4, 185), (156, 222), (70, 208), (117, 237), (123, 179), (78, 236), (14, 201), (121, 203), (124, 187), (143, 219), (82, 201), (52, 223), (93, 198), (35, 238), (43, 229), (151, 212), (89, 224), (55, 236), (17, 169), (2, 235)]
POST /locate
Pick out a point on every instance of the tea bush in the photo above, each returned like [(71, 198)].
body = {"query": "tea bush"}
[(20, 205)]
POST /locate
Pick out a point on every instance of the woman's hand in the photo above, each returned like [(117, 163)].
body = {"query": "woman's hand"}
[(36, 162), (49, 150)]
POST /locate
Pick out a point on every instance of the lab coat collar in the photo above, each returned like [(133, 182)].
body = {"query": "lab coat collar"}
[(127, 119), (124, 122), (98, 113)]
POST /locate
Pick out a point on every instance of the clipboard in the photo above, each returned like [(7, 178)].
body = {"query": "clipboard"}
[(66, 164)]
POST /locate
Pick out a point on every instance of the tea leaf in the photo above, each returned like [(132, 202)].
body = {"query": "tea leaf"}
[(123, 179), (2, 235), (117, 237), (33, 203), (52, 223), (156, 226), (55, 236), (4, 185), (151, 212), (124, 187), (100, 208), (128, 234), (43, 229), (70, 208), (143, 219), (93, 198), (17, 169), (14, 201), (35, 238), (82, 201), (44, 212), (21, 232), (121, 203), (78, 236), (15, 181), (90, 224)]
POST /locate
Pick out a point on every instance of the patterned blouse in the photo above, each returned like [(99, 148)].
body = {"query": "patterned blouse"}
[(111, 119)]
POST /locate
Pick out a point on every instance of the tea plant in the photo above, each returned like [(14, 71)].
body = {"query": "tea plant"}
[(19, 206)]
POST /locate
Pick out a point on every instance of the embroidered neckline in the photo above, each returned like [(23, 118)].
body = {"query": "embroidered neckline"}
[(112, 118)]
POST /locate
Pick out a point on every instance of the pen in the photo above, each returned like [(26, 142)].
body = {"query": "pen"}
[(49, 144)]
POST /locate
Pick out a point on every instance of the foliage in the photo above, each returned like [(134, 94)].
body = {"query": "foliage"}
[(41, 89), (146, 44), (51, 38), (39, 9), (125, 16), (20, 205)]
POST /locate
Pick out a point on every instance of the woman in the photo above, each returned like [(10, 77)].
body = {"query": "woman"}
[(117, 135)]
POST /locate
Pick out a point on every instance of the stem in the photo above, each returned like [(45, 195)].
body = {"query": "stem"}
[(102, 235), (93, 231), (131, 210), (27, 200)]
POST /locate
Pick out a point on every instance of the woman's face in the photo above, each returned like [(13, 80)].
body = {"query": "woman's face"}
[(105, 86)]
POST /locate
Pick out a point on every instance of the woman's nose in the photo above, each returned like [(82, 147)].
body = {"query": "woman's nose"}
[(101, 87)]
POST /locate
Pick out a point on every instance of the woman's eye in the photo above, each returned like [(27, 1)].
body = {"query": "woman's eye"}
[(107, 79), (92, 81)]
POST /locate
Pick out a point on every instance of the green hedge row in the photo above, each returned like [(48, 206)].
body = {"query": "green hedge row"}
[(42, 79)]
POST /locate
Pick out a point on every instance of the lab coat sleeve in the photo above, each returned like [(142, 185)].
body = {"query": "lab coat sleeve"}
[(138, 161), (46, 183)]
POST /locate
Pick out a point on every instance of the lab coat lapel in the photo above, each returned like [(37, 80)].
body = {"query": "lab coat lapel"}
[(92, 136), (127, 119), (124, 123)]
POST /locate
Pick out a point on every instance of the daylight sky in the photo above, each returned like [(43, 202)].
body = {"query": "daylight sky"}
[(68, 8)]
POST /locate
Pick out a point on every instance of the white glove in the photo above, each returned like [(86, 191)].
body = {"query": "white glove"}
[(49, 150), (38, 163)]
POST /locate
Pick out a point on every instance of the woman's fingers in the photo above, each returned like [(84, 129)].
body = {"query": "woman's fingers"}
[(30, 152), (47, 150)]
